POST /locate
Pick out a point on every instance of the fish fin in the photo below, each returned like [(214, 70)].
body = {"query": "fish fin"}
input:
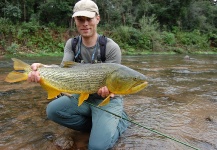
[(105, 101), (66, 94), (20, 65), (69, 64), (16, 77), (82, 98), (19, 73), (52, 92)]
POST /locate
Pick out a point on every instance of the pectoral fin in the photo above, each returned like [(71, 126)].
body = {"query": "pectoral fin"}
[(105, 101), (82, 98)]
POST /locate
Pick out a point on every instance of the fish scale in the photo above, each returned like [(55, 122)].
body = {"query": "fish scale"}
[(80, 78), (83, 79)]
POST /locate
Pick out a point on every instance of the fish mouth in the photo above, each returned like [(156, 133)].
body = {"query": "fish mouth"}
[(137, 87)]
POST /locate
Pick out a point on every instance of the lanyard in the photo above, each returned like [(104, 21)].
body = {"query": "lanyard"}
[(94, 52)]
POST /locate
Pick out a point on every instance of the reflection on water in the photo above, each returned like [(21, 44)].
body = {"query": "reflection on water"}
[(180, 101)]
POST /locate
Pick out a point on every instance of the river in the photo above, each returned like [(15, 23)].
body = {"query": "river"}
[(180, 102)]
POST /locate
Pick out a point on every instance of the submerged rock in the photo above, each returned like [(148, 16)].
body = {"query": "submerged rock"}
[(64, 143)]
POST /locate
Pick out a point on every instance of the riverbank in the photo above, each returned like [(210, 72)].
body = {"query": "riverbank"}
[(41, 54), (33, 40)]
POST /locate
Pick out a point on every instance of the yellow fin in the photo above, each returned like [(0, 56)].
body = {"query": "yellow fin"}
[(105, 101), (52, 92), (16, 77), (82, 98), (20, 73), (20, 65), (69, 64)]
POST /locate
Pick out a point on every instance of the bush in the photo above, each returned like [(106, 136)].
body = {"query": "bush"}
[(12, 49), (168, 38), (6, 26), (194, 38), (131, 38)]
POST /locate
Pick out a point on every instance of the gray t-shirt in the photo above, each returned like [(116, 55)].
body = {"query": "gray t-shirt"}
[(113, 52)]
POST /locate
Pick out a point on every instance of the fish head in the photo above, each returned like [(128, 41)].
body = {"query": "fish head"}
[(126, 81)]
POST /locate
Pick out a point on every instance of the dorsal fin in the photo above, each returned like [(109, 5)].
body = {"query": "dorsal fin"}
[(69, 64)]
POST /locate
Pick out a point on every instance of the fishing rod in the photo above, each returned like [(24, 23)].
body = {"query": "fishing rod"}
[(152, 130)]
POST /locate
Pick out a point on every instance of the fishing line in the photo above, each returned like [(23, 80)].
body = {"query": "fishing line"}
[(152, 130)]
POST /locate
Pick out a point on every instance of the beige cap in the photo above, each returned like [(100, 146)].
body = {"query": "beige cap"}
[(85, 8)]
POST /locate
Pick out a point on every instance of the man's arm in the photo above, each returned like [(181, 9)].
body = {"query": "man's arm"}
[(113, 52), (68, 53)]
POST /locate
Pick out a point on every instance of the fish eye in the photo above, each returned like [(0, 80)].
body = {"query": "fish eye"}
[(135, 78)]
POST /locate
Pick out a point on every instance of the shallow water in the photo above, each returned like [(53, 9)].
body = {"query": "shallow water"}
[(180, 101)]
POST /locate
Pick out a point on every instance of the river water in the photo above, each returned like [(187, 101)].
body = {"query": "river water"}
[(180, 102)]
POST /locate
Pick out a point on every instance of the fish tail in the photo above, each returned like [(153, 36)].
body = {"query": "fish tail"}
[(20, 72)]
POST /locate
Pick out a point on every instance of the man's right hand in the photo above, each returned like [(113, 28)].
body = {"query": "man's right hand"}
[(34, 75)]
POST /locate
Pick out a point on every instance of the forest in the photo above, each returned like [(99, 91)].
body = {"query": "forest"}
[(138, 26)]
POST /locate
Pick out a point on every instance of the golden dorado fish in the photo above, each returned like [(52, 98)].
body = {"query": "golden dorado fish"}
[(83, 79)]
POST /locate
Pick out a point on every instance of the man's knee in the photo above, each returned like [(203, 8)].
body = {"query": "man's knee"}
[(104, 142), (98, 145), (50, 111), (55, 106)]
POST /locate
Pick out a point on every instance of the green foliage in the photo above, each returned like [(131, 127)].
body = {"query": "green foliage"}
[(149, 23), (6, 25), (185, 14), (12, 49), (140, 39), (5, 21), (178, 50), (200, 15), (168, 38), (150, 33), (7, 31), (57, 12), (137, 26), (30, 37), (12, 12), (30, 27), (130, 38), (192, 38)]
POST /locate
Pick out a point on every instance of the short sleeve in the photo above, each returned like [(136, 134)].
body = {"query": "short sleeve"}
[(68, 53), (113, 52)]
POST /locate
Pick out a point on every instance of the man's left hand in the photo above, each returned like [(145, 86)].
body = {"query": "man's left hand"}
[(104, 92)]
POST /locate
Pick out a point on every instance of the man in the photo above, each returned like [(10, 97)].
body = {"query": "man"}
[(104, 128)]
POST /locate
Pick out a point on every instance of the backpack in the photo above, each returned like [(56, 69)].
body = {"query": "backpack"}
[(102, 45)]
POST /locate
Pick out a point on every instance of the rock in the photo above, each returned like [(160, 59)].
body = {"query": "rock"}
[(64, 143)]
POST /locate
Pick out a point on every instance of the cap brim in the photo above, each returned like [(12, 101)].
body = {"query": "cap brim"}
[(88, 14)]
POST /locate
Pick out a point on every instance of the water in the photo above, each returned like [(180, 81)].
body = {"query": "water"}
[(180, 101)]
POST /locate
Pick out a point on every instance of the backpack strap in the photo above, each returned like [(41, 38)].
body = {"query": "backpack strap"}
[(74, 43), (102, 45)]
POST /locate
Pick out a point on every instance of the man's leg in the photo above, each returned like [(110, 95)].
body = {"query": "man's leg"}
[(106, 127), (65, 111)]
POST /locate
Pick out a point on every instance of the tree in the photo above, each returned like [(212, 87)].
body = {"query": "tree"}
[(12, 12), (56, 12)]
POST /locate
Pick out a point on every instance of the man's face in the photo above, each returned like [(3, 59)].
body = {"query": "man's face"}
[(87, 27)]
